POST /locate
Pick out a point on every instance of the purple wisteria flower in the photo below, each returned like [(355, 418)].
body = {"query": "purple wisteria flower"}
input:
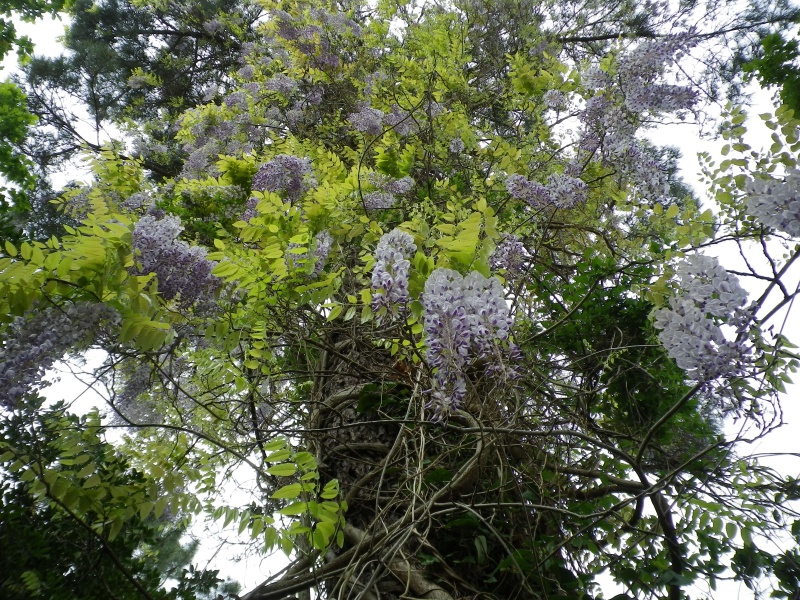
[(639, 71), (561, 191), (390, 273), (183, 271), (690, 326), (775, 203), (379, 200), (367, 120), (315, 95), (236, 99), (565, 191), (532, 192), (401, 121), (339, 22), (554, 99), (390, 184), (246, 72), (322, 248), (612, 116), (281, 83), (510, 254), (456, 146), (286, 173), (33, 343), (136, 201), (594, 78), (318, 257), (466, 320)]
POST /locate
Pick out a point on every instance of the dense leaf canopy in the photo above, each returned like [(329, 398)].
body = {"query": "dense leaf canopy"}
[(408, 273)]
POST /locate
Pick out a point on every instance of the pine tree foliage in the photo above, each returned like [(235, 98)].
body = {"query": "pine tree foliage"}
[(417, 278)]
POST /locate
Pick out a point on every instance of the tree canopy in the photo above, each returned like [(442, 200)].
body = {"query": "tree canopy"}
[(410, 271)]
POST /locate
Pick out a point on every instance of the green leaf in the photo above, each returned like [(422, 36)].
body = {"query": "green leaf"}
[(673, 211), (730, 530), (287, 492), (296, 508), (283, 470), (116, 527), (160, 506), (323, 533), (278, 455), (331, 490), (257, 528), (144, 510)]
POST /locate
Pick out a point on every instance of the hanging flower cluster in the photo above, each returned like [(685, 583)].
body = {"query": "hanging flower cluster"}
[(466, 320), (313, 40), (510, 254), (456, 146), (371, 120), (554, 99), (612, 115), (776, 204), (379, 200), (561, 191), (367, 120), (389, 189), (183, 271), (33, 343), (282, 84), (640, 70), (390, 273), (401, 121), (690, 328), (319, 256), (285, 173)]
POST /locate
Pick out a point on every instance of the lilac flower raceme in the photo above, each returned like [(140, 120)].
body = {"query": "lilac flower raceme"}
[(561, 191), (690, 329), (456, 146), (466, 320), (34, 342), (401, 121), (390, 273), (282, 84), (390, 184), (367, 120), (532, 192), (776, 204), (285, 173), (613, 114), (183, 271), (510, 254), (379, 200), (322, 247)]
